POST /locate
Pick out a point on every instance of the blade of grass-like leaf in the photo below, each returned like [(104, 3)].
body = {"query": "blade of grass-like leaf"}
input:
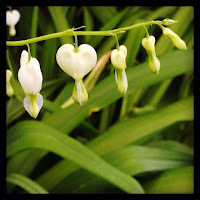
[(172, 181), (132, 160), (33, 34), (103, 13), (60, 22), (88, 22), (26, 183), (111, 24), (123, 133), (25, 135)]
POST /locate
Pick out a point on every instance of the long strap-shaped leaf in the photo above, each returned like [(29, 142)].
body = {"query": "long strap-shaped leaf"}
[(126, 132), (33, 134), (26, 183)]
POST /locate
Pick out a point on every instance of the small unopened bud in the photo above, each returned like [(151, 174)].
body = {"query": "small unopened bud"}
[(176, 40), (149, 44), (118, 59), (9, 89), (167, 22)]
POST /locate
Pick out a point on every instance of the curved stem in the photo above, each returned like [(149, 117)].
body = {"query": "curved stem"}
[(70, 32)]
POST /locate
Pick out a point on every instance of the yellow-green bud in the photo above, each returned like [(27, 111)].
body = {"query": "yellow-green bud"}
[(118, 58), (79, 94), (176, 40), (167, 22), (9, 89), (149, 44)]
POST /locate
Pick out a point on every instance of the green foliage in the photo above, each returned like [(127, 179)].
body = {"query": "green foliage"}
[(138, 143)]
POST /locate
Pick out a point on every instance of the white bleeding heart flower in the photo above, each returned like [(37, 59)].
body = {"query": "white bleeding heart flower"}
[(12, 18), (77, 65), (149, 44), (175, 39), (9, 89), (118, 60), (30, 78)]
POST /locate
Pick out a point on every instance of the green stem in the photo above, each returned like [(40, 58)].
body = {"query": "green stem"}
[(70, 32), (29, 52), (76, 43)]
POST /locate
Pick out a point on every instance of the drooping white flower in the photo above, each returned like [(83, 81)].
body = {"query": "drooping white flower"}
[(149, 44), (30, 78), (9, 89), (175, 39), (77, 65), (118, 60), (12, 18)]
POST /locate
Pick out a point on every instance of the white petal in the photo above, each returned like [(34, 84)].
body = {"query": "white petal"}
[(24, 58), (125, 81), (26, 103), (77, 65), (30, 76), (12, 17), (116, 77), (39, 101), (78, 86)]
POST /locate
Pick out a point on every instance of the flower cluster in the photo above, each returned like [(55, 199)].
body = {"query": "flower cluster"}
[(77, 62)]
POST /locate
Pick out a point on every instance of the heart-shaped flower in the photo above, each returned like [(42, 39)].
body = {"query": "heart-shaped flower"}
[(118, 59), (77, 65), (149, 44), (12, 18), (30, 78)]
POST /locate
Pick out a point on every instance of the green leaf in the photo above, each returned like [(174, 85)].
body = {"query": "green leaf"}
[(25, 135), (34, 30), (125, 132), (178, 181), (88, 22), (26, 183), (103, 13), (132, 160), (60, 22)]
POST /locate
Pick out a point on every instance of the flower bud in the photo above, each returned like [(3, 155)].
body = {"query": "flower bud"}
[(118, 58), (149, 44), (167, 22), (176, 40), (12, 18), (30, 78), (9, 89), (77, 65)]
